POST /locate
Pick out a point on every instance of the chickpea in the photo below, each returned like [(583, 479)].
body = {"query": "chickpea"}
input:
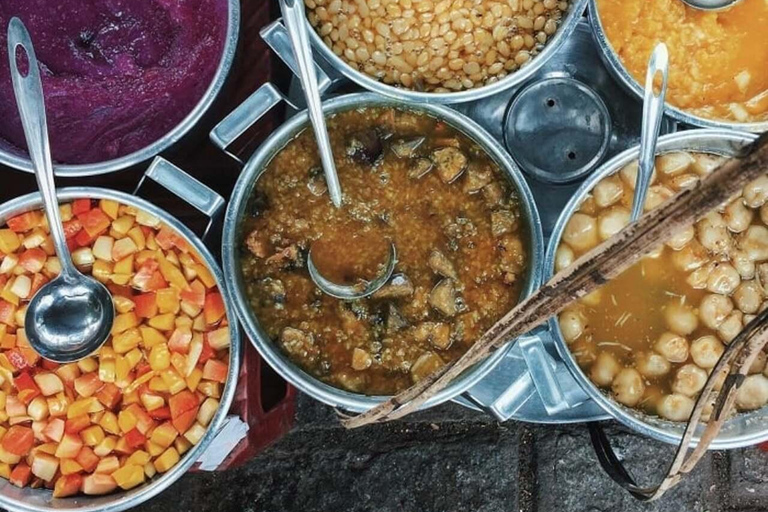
[(764, 213), (673, 347), (680, 319), (758, 365), (681, 238), (714, 309), (699, 277), (761, 272), (748, 297), (756, 193), (690, 257), (657, 195), (704, 163), (675, 407), (706, 351), (754, 242), (712, 233), (753, 393), (593, 299), (608, 191), (737, 216), (572, 324), (683, 181), (672, 164), (628, 387), (743, 264), (564, 257), (604, 369), (612, 221), (629, 175), (689, 380), (731, 326), (581, 232), (650, 364), (723, 279)]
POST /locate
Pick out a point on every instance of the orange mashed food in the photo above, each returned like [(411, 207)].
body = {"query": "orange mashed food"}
[(717, 59)]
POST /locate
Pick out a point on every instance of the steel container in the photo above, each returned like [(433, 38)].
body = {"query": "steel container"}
[(41, 500), (19, 160), (567, 26), (261, 101), (744, 429), (620, 73)]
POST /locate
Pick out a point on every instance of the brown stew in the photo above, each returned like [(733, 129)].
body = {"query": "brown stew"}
[(409, 179), (653, 335)]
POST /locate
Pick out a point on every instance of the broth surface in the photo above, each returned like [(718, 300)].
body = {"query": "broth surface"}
[(653, 335), (400, 173)]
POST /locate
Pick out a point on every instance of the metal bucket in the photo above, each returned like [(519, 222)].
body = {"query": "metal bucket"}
[(518, 77), (208, 202), (18, 160), (620, 73), (744, 429), (238, 121)]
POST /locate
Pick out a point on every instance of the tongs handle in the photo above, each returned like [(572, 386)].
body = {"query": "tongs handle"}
[(653, 110)]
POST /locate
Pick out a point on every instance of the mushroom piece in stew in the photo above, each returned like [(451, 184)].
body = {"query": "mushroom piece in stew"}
[(409, 179)]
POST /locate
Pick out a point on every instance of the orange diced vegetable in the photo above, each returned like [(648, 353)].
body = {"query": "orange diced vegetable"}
[(108, 395), (88, 384), (215, 370), (81, 206), (214, 308), (111, 208), (44, 466), (167, 460), (129, 476), (54, 430), (69, 446), (219, 338), (99, 483), (25, 221), (146, 305), (18, 440), (168, 300), (94, 222), (9, 241), (180, 340), (7, 313), (33, 260), (76, 424), (87, 459), (21, 475), (67, 485), (195, 294)]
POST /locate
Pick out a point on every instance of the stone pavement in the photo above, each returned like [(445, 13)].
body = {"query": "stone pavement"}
[(452, 459)]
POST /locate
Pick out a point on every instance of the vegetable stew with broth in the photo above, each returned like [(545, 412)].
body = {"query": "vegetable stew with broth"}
[(652, 336), (409, 179)]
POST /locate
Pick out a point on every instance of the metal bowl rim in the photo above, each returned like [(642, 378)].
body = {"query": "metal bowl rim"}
[(173, 136), (573, 17), (630, 417), (127, 499), (321, 391), (620, 73)]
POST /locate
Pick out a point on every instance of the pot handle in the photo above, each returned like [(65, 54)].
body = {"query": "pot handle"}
[(613, 466), (276, 36), (186, 187), (542, 366)]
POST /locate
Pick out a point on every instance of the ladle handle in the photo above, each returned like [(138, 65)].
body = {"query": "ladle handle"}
[(29, 97), (653, 111), (296, 22)]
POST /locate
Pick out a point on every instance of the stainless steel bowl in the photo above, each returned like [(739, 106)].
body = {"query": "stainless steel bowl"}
[(744, 429), (19, 160), (518, 77), (620, 73), (40, 500), (232, 236)]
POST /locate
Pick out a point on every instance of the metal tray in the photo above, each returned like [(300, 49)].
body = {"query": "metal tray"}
[(572, 116)]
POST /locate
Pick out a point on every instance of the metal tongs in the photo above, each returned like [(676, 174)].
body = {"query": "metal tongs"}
[(653, 111)]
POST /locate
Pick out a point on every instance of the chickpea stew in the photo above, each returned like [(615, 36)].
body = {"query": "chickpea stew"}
[(436, 45), (409, 179), (651, 336), (115, 419), (717, 58)]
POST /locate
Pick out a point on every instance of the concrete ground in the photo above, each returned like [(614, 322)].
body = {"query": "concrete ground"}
[(452, 459)]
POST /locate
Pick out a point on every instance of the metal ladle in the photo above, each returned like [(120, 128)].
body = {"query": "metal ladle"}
[(72, 315), (653, 111), (711, 5)]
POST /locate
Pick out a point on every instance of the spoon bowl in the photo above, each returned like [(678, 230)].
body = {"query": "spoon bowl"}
[(70, 317), (67, 318), (711, 5)]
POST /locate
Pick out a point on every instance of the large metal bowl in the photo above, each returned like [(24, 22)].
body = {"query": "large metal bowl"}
[(518, 77), (744, 429), (622, 75), (41, 500), (18, 159), (231, 245)]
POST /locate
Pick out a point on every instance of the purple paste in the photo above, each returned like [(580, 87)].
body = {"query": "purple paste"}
[(117, 74)]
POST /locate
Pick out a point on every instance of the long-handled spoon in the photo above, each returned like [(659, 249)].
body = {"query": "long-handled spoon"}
[(71, 316), (653, 110), (295, 21)]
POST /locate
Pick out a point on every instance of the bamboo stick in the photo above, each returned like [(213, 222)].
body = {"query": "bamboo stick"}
[(589, 272)]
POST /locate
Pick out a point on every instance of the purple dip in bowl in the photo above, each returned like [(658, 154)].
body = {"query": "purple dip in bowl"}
[(117, 74)]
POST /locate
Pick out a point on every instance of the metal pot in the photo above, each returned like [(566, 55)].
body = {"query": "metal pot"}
[(567, 26), (620, 73), (19, 160), (237, 122), (207, 201), (744, 429)]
